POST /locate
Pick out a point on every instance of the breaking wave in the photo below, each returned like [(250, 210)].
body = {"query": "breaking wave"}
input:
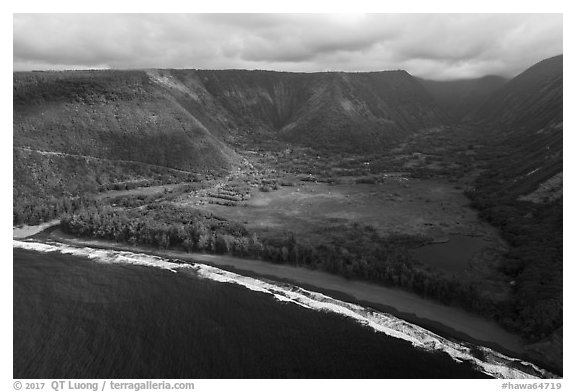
[(484, 359)]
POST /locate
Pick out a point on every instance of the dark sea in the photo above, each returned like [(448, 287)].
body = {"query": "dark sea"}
[(75, 317)]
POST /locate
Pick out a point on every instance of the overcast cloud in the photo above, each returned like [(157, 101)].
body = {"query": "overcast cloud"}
[(435, 46)]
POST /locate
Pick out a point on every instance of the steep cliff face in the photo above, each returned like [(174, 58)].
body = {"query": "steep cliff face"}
[(188, 119), (524, 120), (183, 118), (530, 102), (76, 131), (336, 111), (364, 111), (117, 115)]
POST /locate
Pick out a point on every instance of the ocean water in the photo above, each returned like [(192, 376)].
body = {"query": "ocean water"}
[(91, 313)]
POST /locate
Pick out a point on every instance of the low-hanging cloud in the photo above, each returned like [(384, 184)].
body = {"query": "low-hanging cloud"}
[(437, 46)]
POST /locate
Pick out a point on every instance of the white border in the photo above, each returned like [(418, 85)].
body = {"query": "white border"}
[(439, 6)]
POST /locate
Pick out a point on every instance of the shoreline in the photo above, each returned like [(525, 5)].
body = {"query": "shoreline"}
[(447, 321), (451, 321)]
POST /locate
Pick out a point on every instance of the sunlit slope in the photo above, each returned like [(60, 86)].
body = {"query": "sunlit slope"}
[(119, 115)]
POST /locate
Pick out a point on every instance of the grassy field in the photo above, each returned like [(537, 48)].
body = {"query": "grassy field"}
[(432, 209), (429, 208)]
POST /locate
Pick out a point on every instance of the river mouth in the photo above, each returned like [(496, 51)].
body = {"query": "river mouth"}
[(452, 256)]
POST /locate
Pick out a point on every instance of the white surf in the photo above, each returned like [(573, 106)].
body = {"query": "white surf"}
[(484, 359)]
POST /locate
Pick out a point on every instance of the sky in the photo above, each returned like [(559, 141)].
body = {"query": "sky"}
[(432, 46)]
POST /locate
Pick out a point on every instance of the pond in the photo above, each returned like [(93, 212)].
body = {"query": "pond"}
[(451, 256)]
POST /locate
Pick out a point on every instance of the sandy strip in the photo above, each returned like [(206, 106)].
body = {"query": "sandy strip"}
[(477, 328), (470, 324), (27, 231)]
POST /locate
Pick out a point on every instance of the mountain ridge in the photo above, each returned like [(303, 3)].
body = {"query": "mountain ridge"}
[(531, 100)]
